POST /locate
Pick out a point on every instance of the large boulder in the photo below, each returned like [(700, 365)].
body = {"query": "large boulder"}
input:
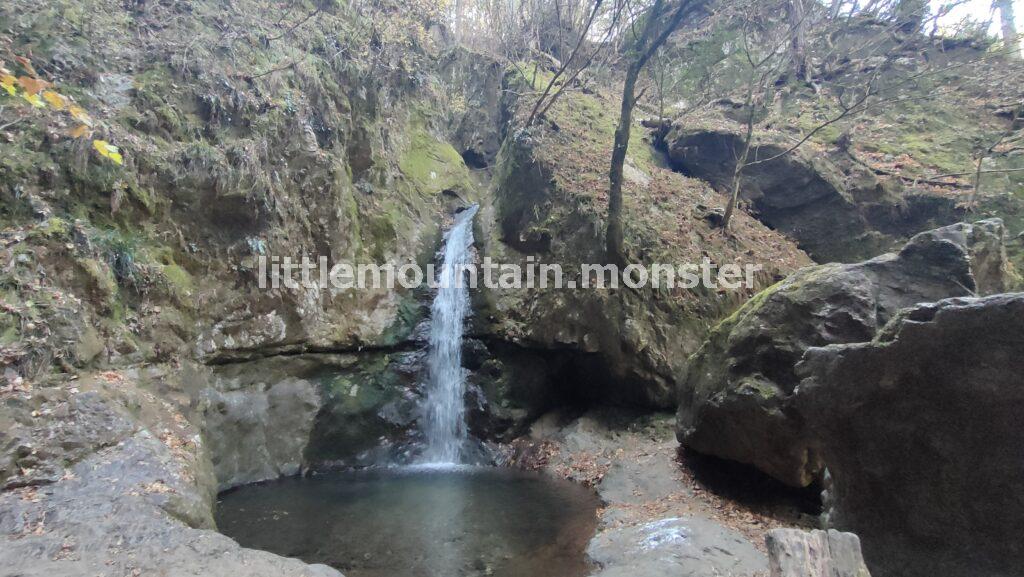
[(921, 432), (682, 546), (736, 400)]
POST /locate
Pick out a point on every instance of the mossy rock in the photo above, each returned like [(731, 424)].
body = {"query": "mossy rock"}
[(100, 283), (737, 394), (434, 166)]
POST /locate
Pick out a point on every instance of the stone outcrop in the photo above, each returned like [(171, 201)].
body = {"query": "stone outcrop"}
[(257, 424), (111, 479), (834, 209), (736, 400), (620, 346), (796, 553), (792, 193), (921, 432), (369, 407)]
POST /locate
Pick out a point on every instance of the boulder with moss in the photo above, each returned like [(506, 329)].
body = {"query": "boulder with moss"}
[(736, 398)]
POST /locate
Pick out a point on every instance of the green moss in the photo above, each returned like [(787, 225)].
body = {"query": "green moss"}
[(530, 75), (939, 135), (9, 329), (142, 196), (54, 228), (21, 160), (364, 390), (759, 387), (383, 232), (433, 165), (178, 279), (750, 307), (100, 281), (410, 313)]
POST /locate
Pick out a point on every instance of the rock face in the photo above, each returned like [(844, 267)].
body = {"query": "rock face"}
[(921, 432), (368, 412), (835, 209), (796, 553), (116, 480), (257, 429), (736, 400), (620, 346)]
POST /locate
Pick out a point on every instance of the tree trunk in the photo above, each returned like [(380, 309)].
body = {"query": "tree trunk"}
[(797, 47), (741, 161), (614, 243), (650, 40), (1009, 27)]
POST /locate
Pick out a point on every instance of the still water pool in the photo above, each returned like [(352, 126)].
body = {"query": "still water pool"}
[(419, 522)]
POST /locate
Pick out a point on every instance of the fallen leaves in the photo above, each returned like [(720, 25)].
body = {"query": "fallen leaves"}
[(79, 114), (112, 377), (79, 131), (9, 83), (108, 150), (56, 100), (31, 85), (34, 100), (39, 93), (26, 64)]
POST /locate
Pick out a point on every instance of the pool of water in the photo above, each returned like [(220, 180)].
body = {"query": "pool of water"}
[(419, 522)]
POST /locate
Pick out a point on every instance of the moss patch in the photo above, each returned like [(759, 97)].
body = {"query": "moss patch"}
[(433, 165)]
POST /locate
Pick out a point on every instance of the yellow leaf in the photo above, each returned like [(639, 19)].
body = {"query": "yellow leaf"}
[(79, 114), (108, 150), (7, 82), (79, 131), (56, 100), (32, 85), (34, 100)]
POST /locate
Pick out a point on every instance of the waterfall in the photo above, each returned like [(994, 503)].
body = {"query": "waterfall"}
[(444, 419)]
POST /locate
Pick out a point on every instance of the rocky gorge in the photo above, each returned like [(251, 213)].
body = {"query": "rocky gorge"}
[(867, 383)]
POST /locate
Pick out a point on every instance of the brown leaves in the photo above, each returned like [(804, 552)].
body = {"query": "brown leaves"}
[(112, 377), (26, 64), (32, 85), (79, 131)]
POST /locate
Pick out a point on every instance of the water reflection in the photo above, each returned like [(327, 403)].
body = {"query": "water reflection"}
[(419, 522)]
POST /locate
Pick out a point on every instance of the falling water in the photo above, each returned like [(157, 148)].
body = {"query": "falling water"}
[(444, 422)]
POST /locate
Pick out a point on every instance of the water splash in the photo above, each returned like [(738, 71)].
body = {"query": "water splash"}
[(444, 412)]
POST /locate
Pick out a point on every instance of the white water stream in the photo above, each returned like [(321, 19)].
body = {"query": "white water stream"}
[(444, 412)]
